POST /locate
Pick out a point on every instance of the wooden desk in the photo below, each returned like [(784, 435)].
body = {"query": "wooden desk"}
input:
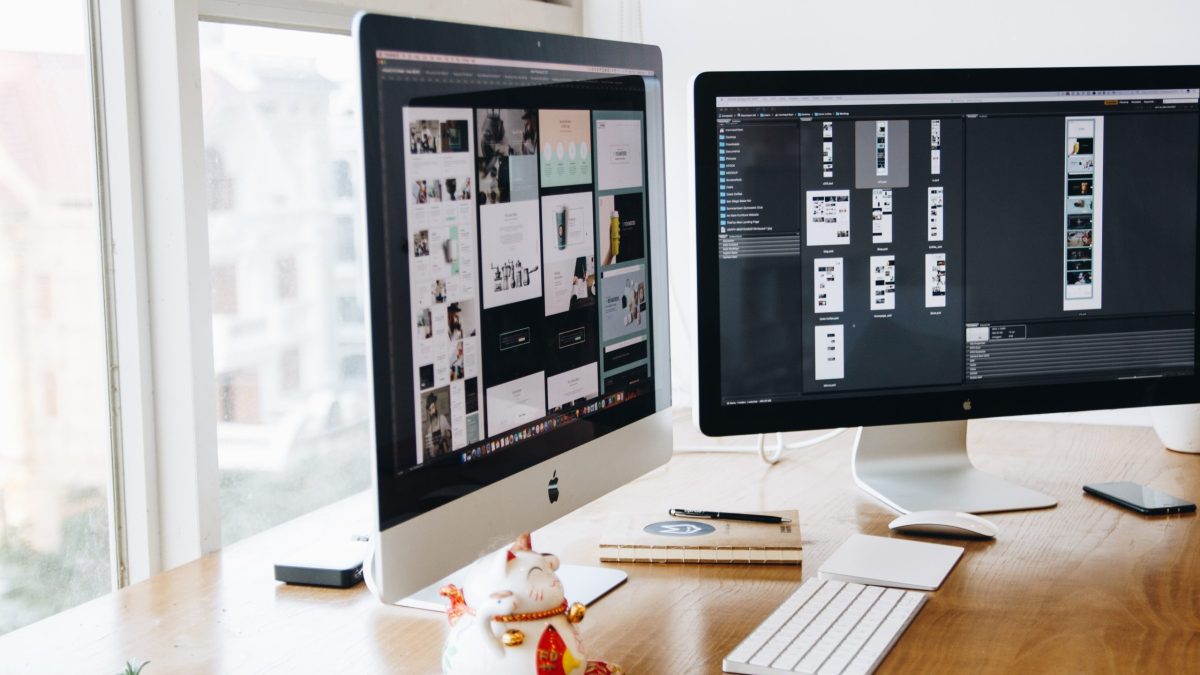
[(1085, 587)]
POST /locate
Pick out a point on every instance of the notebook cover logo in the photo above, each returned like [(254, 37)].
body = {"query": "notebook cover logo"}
[(679, 528)]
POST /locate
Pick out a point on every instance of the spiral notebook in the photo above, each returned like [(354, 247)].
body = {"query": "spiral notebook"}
[(659, 538)]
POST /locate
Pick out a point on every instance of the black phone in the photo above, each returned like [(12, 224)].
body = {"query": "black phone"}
[(1139, 498)]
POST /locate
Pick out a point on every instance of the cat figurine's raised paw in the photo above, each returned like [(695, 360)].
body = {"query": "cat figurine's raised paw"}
[(511, 618)]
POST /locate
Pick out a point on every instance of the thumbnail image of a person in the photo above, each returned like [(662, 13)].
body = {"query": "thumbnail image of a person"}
[(489, 187), (582, 287), (629, 302), (437, 429), (452, 189), (614, 239), (528, 134), (493, 135), (428, 144), (454, 321), (456, 364), (439, 291)]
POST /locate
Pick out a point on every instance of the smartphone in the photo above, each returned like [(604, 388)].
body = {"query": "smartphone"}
[(1139, 498)]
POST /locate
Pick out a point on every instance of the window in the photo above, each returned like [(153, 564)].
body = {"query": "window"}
[(50, 392), (220, 185), (346, 250), (354, 367), (350, 309), (289, 370), (45, 297), (55, 459), (224, 289), (343, 185), (238, 397), (281, 131), (285, 276)]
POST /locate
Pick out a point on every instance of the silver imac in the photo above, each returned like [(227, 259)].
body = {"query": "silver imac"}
[(517, 282)]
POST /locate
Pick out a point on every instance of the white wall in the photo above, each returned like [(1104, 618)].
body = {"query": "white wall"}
[(700, 35)]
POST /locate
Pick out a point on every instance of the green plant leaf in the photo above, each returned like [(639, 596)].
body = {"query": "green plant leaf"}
[(131, 669)]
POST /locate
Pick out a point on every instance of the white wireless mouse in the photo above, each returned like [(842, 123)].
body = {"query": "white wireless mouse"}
[(945, 523)]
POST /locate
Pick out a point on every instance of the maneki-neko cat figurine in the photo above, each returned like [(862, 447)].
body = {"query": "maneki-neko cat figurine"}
[(511, 618)]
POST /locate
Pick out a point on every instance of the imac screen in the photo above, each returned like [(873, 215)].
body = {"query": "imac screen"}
[(513, 288)]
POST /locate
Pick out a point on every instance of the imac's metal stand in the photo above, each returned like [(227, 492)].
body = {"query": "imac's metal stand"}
[(920, 467), (581, 583)]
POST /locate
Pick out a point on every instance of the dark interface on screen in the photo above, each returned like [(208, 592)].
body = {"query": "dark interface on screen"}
[(517, 265), (884, 244)]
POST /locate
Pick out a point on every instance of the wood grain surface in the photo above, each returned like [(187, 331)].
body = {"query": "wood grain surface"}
[(1086, 587)]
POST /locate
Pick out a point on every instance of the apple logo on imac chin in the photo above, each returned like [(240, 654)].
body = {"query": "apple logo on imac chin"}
[(552, 487)]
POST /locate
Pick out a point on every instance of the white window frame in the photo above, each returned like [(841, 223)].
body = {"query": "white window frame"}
[(154, 229)]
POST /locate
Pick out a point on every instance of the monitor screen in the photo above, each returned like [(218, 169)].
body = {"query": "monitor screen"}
[(885, 244), (509, 268)]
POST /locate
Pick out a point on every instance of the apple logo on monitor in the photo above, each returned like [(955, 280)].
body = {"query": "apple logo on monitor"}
[(552, 487)]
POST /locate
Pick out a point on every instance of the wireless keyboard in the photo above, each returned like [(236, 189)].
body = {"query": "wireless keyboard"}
[(827, 627)]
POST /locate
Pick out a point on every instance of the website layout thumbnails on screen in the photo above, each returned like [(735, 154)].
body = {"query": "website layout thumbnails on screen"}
[(528, 271)]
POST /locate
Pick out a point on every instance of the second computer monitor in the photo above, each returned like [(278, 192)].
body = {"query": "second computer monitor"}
[(909, 246)]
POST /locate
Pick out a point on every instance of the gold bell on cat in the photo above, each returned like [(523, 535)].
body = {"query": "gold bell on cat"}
[(576, 612), (513, 638)]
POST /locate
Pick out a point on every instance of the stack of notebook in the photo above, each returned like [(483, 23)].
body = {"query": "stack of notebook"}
[(657, 537)]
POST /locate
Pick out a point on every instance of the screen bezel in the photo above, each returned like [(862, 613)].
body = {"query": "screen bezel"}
[(398, 497), (867, 409)]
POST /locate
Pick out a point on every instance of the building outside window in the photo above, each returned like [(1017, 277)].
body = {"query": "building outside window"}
[(282, 135)]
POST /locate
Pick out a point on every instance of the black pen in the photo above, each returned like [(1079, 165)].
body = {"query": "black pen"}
[(724, 515)]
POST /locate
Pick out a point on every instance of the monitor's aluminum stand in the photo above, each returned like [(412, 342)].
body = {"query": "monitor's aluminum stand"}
[(922, 467)]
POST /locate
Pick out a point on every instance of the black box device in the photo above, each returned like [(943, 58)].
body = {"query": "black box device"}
[(332, 565)]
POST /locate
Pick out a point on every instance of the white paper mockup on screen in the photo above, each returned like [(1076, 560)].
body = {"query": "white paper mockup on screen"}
[(881, 216), (516, 402), (828, 221), (574, 385), (829, 356), (827, 285), (569, 249), (935, 279), (936, 215), (618, 153), (883, 282), (511, 250)]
